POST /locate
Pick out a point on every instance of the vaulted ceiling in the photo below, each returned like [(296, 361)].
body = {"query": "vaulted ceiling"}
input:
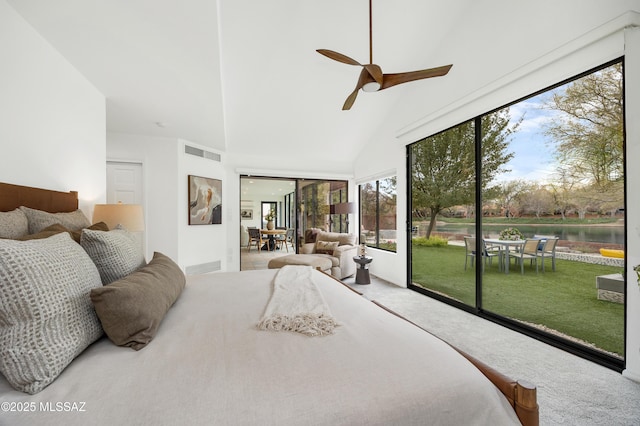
[(243, 76)]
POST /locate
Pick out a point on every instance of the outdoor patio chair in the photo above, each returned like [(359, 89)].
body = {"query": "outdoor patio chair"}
[(470, 248), (529, 252), (548, 249)]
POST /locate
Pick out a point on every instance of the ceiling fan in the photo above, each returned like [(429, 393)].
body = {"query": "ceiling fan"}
[(371, 77)]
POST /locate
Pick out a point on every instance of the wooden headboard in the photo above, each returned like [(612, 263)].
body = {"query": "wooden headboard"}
[(14, 196)]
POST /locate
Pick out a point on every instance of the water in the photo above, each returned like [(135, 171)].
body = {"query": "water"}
[(590, 233)]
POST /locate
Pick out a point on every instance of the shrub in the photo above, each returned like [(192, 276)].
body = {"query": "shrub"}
[(430, 242)]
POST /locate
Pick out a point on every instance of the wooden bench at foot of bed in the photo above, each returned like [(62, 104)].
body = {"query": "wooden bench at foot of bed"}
[(317, 262)]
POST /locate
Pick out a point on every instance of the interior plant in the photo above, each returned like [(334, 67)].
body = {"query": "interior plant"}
[(269, 217), (510, 234)]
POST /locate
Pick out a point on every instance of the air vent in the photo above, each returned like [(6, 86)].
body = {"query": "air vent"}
[(203, 268), (201, 153)]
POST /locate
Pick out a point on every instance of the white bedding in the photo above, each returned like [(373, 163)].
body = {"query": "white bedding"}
[(210, 365)]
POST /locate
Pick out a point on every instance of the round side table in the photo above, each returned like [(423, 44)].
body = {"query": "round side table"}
[(362, 273)]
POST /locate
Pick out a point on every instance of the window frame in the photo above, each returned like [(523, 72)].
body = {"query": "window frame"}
[(578, 349), (376, 181)]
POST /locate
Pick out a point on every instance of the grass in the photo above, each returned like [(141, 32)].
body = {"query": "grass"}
[(564, 300)]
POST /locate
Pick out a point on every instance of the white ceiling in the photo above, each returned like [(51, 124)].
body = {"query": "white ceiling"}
[(261, 189), (242, 76)]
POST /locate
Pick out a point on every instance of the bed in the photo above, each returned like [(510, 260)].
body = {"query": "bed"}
[(208, 363)]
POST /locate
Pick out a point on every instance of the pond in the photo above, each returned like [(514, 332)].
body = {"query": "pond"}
[(590, 233)]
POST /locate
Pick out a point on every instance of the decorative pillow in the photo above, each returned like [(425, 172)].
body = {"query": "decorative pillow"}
[(116, 253), (46, 316), (38, 219), (45, 233), (99, 226), (57, 228), (341, 237), (326, 247), (132, 308), (311, 235), (13, 224)]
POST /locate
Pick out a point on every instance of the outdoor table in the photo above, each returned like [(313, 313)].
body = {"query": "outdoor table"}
[(505, 244)]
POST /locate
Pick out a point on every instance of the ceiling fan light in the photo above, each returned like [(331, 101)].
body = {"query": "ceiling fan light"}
[(372, 86)]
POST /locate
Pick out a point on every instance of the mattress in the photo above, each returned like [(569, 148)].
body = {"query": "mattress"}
[(210, 365)]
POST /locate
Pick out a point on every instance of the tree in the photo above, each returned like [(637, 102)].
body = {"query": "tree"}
[(510, 196), (589, 134), (443, 165), (539, 200), (561, 189)]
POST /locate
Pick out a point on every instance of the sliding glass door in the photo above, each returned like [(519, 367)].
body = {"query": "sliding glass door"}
[(518, 215)]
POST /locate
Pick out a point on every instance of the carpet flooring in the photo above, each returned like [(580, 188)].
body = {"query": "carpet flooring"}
[(571, 390)]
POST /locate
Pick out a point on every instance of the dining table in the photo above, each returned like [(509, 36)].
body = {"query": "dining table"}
[(505, 244), (271, 233)]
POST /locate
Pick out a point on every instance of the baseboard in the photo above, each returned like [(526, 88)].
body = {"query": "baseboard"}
[(631, 375)]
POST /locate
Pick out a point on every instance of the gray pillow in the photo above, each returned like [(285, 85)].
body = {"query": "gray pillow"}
[(132, 308), (46, 315), (116, 253), (13, 224), (38, 219)]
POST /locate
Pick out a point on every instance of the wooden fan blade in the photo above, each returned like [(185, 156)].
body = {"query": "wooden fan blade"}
[(364, 77), (375, 71), (338, 57), (350, 100), (405, 77)]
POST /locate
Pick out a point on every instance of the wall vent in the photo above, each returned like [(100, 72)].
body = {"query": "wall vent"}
[(203, 268), (201, 153)]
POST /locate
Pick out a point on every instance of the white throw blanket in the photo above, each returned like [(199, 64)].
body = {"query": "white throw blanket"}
[(297, 304)]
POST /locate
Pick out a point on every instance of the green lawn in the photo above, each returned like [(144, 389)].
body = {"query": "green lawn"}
[(565, 300)]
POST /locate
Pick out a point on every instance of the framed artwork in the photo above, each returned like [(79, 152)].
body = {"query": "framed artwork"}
[(205, 201), (246, 214)]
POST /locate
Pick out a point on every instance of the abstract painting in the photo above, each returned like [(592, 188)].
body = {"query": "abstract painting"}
[(205, 201)]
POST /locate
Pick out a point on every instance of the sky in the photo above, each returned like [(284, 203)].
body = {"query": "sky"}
[(534, 152)]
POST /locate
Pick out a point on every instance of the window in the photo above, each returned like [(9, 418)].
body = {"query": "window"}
[(509, 212), (378, 226)]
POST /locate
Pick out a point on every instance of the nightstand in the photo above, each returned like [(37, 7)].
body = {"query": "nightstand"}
[(362, 273)]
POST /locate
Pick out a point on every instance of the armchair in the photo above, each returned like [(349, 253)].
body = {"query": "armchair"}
[(340, 248)]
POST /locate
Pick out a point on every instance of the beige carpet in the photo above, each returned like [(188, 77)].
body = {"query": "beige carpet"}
[(571, 390)]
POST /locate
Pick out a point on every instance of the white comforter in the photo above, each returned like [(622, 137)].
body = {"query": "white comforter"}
[(210, 365)]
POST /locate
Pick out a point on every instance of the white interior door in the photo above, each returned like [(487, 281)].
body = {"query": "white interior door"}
[(124, 183)]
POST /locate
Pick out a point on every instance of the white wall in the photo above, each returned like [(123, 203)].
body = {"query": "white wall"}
[(159, 170), (605, 42), (52, 120), (165, 169), (198, 244)]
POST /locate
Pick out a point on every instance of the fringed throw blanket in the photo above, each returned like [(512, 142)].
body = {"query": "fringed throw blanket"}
[(297, 305)]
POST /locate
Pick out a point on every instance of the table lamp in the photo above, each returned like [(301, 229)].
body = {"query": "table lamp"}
[(129, 216)]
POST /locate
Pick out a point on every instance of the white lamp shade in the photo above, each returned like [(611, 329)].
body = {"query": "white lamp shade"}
[(130, 216)]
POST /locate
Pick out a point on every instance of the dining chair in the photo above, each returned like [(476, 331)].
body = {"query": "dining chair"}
[(255, 236), (528, 251), (548, 249), (287, 239), (470, 249)]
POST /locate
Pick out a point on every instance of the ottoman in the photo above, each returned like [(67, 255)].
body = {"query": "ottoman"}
[(317, 262)]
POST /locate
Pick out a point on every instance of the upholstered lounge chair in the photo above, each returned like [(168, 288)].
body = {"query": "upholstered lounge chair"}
[(340, 248)]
